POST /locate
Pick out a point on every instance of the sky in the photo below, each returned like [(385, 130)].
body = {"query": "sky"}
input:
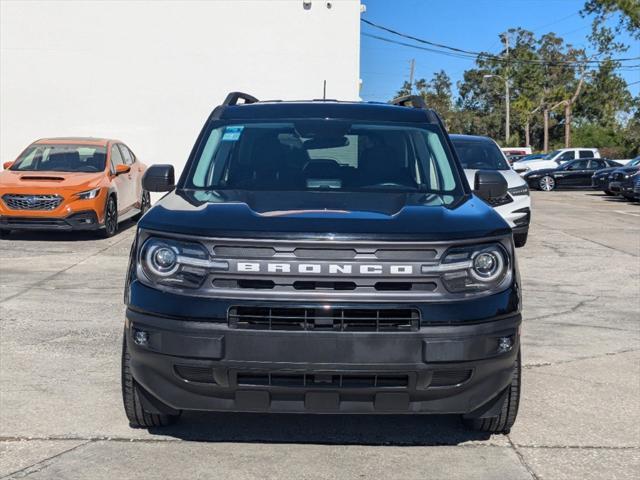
[(467, 24)]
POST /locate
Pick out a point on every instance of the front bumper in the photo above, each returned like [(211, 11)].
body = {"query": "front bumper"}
[(517, 213), (86, 220), (622, 188), (600, 183), (205, 365)]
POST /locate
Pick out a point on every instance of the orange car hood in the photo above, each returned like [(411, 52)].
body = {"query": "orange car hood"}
[(18, 181)]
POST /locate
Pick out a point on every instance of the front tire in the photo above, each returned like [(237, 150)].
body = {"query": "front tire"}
[(136, 414), (503, 422), (547, 183), (110, 218), (145, 204), (609, 193)]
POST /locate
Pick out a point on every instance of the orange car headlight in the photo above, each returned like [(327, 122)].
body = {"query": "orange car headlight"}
[(88, 194)]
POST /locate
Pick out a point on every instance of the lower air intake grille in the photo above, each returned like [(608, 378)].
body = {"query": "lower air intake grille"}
[(320, 319), (324, 380)]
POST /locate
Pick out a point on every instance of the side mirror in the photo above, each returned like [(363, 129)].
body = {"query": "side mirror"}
[(122, 168), (7, 165), (490, 185), (159, 178)]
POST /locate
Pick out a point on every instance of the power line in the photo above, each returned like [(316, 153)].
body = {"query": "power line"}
[(475, 57), (470, 53)]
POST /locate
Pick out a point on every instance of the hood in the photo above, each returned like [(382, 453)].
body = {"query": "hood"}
[(604, 171), (17, 181), (534, 164), (539, 172), (627, 169), (324, 214), (512, 178)]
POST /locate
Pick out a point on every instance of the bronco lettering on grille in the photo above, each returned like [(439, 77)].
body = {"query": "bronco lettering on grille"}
[(324, 268)]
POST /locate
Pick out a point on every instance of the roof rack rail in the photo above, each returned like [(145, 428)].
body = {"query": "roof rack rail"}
[(414, 101), (233, 97)]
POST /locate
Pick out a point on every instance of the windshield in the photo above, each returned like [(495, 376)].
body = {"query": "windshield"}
[(323, 155), (635, 162), (61, 158), (480, 155), (550, 155)]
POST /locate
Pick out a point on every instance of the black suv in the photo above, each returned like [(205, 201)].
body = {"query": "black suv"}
[(324, 257)]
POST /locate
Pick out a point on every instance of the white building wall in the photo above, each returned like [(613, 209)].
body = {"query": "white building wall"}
[(150, 72)]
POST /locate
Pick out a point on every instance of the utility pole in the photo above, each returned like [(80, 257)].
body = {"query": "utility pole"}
[(411, 71), (507, 121)]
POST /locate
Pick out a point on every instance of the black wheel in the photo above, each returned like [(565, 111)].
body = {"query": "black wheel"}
[(546, 183), (110, 218), (145, 204), (503, 422), (5, 233), (520, 239), (137, 415), (609, 192)]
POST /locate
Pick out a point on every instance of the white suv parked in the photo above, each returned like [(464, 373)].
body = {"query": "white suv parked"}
[(555, 159), (482, 153)]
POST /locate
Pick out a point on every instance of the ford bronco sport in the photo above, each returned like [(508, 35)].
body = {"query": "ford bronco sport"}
[(323, 257)]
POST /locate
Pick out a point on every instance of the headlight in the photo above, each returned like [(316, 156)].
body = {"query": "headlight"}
[(88, 194), (473, 269), (521, 190), (175, 263)]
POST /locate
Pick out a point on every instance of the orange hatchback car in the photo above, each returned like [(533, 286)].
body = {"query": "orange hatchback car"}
[(72, 184)]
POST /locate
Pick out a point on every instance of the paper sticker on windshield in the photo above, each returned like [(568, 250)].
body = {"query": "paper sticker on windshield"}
[(232, 134)]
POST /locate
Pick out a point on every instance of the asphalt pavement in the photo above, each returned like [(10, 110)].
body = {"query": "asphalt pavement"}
[(61, 415)]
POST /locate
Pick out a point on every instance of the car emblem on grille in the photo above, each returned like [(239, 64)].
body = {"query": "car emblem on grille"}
[(31, 200)]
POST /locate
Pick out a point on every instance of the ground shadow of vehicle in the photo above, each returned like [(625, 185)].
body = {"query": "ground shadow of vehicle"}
[(58, 236), (412, 430)]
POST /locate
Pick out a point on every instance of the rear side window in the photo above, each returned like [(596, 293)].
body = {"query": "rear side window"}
[(586, 154)]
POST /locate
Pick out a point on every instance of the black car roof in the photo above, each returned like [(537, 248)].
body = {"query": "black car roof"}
[(325, 109)]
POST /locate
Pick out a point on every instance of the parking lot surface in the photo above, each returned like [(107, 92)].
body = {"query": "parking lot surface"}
[(61, 416)]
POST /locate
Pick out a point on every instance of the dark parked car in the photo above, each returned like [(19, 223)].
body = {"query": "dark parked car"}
[(323, 257), (636, 187), (573, 174), (600, 180), (621, 179)]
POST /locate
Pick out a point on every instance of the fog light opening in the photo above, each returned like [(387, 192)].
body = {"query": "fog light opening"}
[(140, 337), (505, 344)]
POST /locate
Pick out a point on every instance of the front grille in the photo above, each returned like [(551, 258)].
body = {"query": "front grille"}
[(322, 380), (498, 202), (323, 271), (321, 319), (32, 202), (449, 378), (617, 177)]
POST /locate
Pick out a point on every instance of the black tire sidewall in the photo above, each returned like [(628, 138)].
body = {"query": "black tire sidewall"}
[(111, 203)]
